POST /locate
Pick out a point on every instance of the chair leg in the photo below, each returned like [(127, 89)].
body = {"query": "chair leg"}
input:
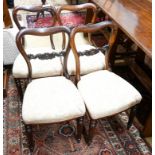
[(131, 117), (92, 127), (79, 129), (19, 88), (5, 82), (29, 137), (43, 2)]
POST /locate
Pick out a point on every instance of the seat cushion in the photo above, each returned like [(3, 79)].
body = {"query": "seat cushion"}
[(51, 99), (40, 68), (88, 64), (105, 93)]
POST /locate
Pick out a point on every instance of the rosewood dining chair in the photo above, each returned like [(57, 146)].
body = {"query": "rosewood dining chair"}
[(90, 60), (20, 70), (49, 99), (104, 92)]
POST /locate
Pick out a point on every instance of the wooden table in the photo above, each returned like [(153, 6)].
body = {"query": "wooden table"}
[(6, 16), (133, 17)]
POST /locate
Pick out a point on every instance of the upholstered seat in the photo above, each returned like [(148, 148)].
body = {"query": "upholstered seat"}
[(88, 62), (39, 66), (106, 93), (51, 99), (61, 101)]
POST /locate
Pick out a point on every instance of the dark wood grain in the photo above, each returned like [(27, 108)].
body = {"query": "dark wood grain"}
[(5, 83), (87, 6), (134, 18), (36, 9), (91, 28), (39, 32), (6, 16)]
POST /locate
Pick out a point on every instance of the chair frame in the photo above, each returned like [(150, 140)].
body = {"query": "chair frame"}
[(78, 7), (37, 9), (90, 28), (45, 32)]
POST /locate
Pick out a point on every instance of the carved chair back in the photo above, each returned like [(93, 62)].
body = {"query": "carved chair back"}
[(39, 9), (34, 9), (42, 32), (80, 7), (106, 49)]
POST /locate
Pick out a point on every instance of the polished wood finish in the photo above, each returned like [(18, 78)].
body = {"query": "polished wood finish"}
[(148, 126), (86, 6), (134, 18), (39, 32), (44, 1), (91, 28), (89, 7), (6, 16), (44, 32), (39, 9), (131, 117), (79, 129), (92, 128), (5, 83), (36, 9)]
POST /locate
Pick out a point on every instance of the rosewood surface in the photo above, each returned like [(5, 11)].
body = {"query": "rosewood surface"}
[(134, 17)]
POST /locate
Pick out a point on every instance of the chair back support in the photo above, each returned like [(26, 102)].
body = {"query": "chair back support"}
[(41, 32), (39, 9), (91, 28), (79, 7)]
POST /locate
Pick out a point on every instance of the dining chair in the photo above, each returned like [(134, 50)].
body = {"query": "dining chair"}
[(50, 99), (104, 92), (37, 9), (90, 60), (20, 70)]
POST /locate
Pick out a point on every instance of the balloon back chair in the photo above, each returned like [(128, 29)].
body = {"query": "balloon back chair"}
[(20, 70), (90, 61), (50, 99), (104, 93)]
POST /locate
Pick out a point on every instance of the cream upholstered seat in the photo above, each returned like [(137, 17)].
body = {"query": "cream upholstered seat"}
[(106, 93), (103, 92), (61, 101), (40, 68), (49, 99), (89, 63)]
